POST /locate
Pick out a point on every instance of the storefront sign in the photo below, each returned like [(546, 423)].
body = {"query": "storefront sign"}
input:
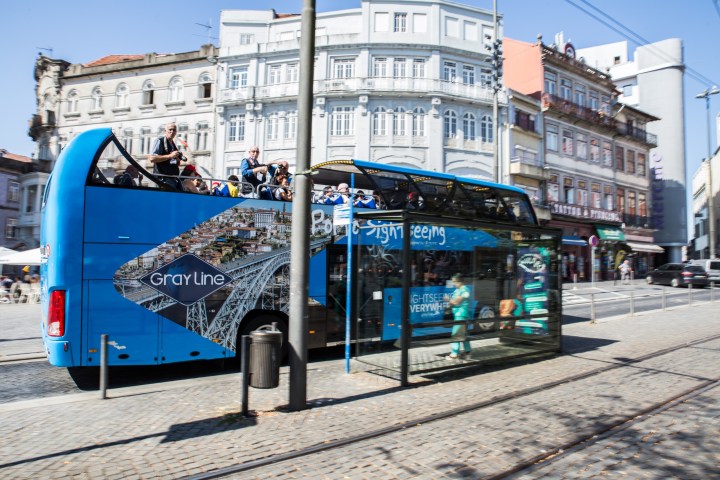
[(588, 213)]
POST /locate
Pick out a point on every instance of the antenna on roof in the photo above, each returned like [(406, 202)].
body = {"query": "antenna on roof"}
[(208, 30), (46, 49)]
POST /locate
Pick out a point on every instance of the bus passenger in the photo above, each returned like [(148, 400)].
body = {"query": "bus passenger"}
[(128, 177), (277, 169), (252, 171), (283, 192), (166, 157), (364, 201), (340, 196), (323, 197), (191, 180), (229, 188)]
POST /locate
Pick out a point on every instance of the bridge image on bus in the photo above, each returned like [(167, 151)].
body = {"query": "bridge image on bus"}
[(173, 276)]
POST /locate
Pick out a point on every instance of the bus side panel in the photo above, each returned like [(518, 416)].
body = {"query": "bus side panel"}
[(133, 332), (178, 344)]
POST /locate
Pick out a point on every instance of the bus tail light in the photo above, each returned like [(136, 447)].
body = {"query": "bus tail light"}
[(56, 314)]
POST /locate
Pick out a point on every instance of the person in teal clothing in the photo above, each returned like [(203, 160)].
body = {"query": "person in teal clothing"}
[(459, 302)]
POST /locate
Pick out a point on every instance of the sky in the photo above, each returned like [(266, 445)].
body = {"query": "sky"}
[(79, 31)]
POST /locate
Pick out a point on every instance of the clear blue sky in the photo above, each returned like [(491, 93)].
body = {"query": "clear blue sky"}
[(79, 31)]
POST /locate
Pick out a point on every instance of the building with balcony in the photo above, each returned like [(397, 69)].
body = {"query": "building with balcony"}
[(595, 158), (700, 241), (406, 83), (653, 81), (12, 205), (134, 95)]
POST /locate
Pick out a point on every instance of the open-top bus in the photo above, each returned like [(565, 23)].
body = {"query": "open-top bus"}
[(172, 276)]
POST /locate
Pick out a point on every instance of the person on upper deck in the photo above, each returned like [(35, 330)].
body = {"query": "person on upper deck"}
[(252, 171), (166, 157)]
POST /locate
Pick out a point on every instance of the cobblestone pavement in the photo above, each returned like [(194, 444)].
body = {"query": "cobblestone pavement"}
[(182, 428)]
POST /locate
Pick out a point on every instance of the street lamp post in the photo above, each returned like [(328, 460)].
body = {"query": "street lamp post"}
[(710, 194)]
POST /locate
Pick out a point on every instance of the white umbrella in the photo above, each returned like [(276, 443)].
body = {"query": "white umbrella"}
[(27, 257)]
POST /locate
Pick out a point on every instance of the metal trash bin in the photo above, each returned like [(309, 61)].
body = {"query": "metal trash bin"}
[(265, 354)]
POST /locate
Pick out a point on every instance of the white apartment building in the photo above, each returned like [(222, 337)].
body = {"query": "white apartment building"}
[(134, 95), (405, 83), (654, 82)]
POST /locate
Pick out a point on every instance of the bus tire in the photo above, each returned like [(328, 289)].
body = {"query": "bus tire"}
[(264, 321)]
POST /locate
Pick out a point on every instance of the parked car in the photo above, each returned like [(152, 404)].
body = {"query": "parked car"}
[(712, 267), (678, 274)]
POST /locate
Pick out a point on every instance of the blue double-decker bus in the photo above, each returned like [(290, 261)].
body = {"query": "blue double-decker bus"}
[(174, 276)]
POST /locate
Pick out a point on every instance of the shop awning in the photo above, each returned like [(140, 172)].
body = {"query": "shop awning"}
[(572, 240), (612, 234), (645, 247)]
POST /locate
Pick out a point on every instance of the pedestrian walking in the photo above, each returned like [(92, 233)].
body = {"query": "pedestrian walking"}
[(625, 272)]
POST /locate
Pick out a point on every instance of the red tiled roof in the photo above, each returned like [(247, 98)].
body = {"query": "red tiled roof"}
[(110, 59), (19, 158), (286, 15)]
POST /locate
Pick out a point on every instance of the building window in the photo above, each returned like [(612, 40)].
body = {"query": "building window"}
[(582, 199), (30, 199), (380, 67), (379, 120), (148, 93), (619, 159), (642, 205), (175, 93), (236, 128), (641, 164), (274, 74), (96, 98), (418, 127), (127, 140), (594, 102), (11, 228), (146, 139), (487, 135), (632, 206), (450, 124), (550, 83), (620, 195), (567, 143), (247, 38), (609, 198), (565, 89), (272, 124), (553, 192), (605, 105), (580, 95), (594, 150), (469, 127), (449, 71), (551, 137), (13, 194), (201, 136), (399, 68), (205, 86), (344, 68), (72, 101), (468, 75), (342, 122), (399, 122), (486, 77), (582, 146), (419, 68), (627, 90), (595, 198), (630, 161), (525, 120), (400, 23), (569, 191), (291, 74), (290, 126), (607, 154), (121, 95), (239, 77)]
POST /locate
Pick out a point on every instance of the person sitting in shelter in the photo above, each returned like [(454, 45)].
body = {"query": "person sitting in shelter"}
[(364, 201), (229, 188), (128, 177), (283, 192), (322, 197)]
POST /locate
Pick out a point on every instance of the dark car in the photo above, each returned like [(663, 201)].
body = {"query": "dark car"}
[(678, 274)]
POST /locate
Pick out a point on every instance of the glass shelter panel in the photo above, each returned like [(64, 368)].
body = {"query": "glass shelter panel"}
[(476, 294)]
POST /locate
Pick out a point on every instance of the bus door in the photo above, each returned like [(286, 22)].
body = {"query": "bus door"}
[(336, 300)]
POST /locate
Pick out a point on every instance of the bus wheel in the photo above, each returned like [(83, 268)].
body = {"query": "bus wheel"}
[(264, 322)]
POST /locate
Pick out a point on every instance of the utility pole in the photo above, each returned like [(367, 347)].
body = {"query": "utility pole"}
[(497, 63), (300, 248), (710, 194)]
